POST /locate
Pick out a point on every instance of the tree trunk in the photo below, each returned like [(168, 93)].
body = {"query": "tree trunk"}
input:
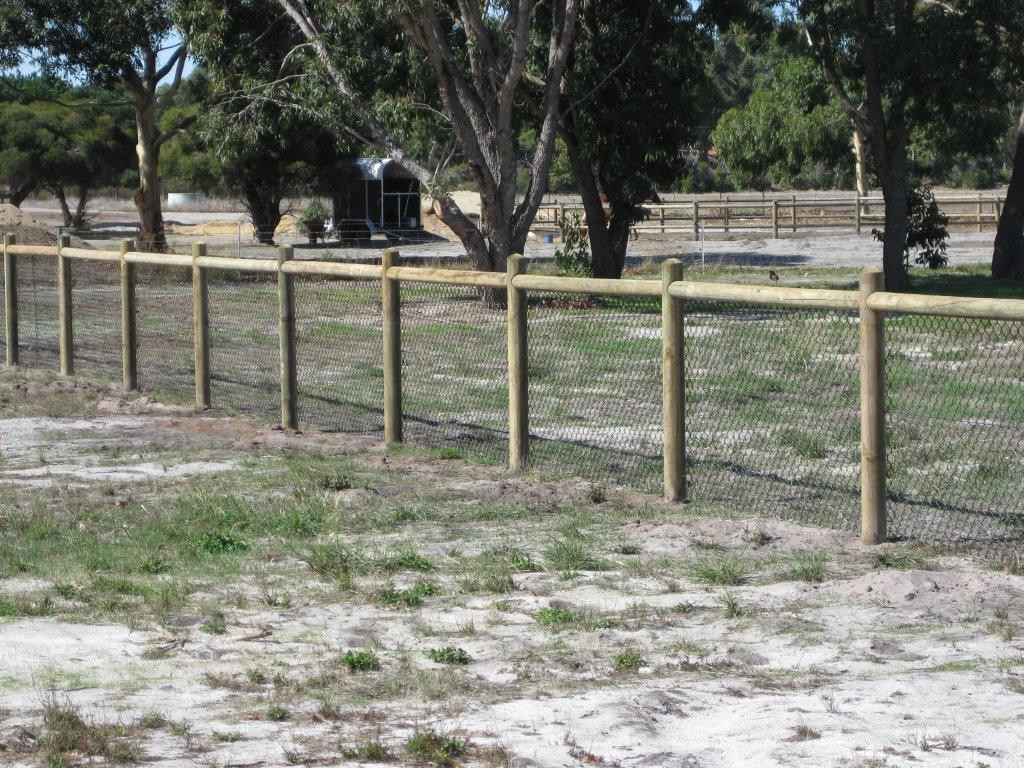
[(861, 155), (894, 191), (65, 210), (147, 197), (19, 192), (604, 261), (265, 213), (1008, 254), (78, 218)]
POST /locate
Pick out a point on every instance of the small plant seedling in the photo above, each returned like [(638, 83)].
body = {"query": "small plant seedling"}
[(406, 598), (731, 606), (215, 624), (556, 616), (406, 560), (277, 713), (449, 655), (360, 661), (436, 748), (627, 661)]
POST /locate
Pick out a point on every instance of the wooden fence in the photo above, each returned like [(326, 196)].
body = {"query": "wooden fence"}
[(870, 302), (784, 214)]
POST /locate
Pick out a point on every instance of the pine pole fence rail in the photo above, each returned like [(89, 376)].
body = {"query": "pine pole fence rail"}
[(765, 214), (871, 303)]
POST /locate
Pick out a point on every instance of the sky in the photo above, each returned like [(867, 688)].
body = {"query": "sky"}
[(28, 67)]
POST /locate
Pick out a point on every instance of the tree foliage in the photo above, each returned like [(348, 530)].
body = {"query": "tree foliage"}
[(790, 133)]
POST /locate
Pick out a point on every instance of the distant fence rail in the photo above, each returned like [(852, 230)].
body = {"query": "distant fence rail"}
[(785, 214), (899, 414)]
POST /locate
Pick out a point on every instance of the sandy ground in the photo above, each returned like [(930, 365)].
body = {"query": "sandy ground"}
[(224, 230), (914, 660)]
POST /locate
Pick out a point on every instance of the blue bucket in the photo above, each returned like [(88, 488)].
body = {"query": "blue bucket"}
[(549, 238)]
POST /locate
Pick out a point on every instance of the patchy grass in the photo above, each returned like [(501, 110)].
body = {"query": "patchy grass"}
[(727, 570), (449, 654), (628, 661), (436, 749), (812, 568)]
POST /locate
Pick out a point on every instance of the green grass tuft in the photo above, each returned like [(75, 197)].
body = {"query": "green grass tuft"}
[(449, 655)]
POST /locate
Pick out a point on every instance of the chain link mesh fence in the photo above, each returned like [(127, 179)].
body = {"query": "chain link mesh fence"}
[(595, 387), (955, 430), (772, 410), (339, 354), (163, 307), (244, 346), (772, 404), (37, 311), (454, 370), (96, 317)]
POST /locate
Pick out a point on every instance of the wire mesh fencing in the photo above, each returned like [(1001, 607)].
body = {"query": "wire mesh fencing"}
[(340, 375), (243, 342), (163, 310), (595, 387), (96, 318), (955, 430), (37, 310), (454, 370), (772, 410), (771, 394)]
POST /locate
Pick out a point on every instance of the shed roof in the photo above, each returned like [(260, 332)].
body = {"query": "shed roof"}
[(377, 168)]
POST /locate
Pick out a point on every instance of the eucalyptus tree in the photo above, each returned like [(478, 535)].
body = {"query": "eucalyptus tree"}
[(131, 43), (384, 70), (268, 147), (633, 95), (895, 65)]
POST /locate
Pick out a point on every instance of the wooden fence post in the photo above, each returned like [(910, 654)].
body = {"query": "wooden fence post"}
[(11, 301), (856, 214), (518, 381), (66, 338), (872, 412), (999, 210), (775, 219), (392, 324), (286, 335), (662, 219), (696, 219), (981, 227), (201, 327), (129, 332), (672, 385), (794, 213), (725, 214)]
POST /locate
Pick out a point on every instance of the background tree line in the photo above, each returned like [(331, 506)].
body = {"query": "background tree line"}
[(612, 99)]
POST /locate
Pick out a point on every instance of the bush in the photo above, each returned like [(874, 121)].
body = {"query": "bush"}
[(926, 230), (314, 218), (573, 258)]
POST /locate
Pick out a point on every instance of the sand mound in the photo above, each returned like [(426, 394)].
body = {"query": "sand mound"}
[(27, 230), (940, 591)]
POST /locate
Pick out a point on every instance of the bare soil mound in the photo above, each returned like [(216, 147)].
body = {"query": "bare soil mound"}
[(27, 230)]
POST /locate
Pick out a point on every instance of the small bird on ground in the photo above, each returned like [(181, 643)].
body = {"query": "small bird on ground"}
[(773, 276)]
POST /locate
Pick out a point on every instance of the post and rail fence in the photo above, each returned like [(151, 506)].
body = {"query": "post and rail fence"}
[(684, 321), (855, 213)]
